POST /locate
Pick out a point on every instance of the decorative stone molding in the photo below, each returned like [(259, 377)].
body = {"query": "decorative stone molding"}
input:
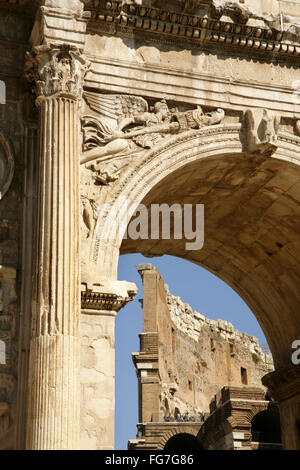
[(59, 22), (284, 383), (254, 410), (199, 31), (111, 150), (218, 135), (107, 296), (227, 91), (6, 164), (56, 71), (192, 429)]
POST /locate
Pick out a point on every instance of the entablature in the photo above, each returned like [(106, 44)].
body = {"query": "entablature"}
[(207, 31), (189, 86)]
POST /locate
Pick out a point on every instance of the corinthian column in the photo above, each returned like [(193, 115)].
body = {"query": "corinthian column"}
[(53, 417)]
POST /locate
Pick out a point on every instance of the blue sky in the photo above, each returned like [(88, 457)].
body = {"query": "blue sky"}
[(205, 293)]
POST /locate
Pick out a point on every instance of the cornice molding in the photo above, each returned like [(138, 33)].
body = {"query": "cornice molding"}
[(166, 26), (107, 297), (284, 383), (97, 301)]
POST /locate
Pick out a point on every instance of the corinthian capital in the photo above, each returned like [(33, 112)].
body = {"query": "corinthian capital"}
[(58, 70)]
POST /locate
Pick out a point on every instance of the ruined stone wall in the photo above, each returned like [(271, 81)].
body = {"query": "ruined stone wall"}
[(185, 358), (209, 354)]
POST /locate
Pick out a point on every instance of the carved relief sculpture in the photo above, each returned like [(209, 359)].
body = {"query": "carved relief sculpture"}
[(262, 127), (127, 125), (56, 70), (122, 129)]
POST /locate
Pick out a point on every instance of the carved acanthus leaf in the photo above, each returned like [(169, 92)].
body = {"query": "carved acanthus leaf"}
[(56, 70)]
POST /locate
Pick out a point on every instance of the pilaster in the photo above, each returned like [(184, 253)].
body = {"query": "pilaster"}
[(100, 304)]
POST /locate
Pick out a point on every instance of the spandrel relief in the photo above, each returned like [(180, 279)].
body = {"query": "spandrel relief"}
[(126, 126), (262, 126), (118, 130)]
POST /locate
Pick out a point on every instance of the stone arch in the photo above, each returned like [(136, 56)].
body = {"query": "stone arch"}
[(176, 431), (218, 145), (159, 162), (214, 428), (249, 415), (265, 426)]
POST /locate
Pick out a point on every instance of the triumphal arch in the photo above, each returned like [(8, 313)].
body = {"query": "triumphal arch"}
[(106, 105)]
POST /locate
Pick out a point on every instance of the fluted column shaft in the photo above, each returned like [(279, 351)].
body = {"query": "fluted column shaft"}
[(54, 364)]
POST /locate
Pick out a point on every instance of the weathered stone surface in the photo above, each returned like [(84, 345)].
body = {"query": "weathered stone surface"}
[(187, 356), (194, 68)]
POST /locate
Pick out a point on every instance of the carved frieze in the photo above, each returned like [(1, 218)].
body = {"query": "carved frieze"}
[(56, 71)]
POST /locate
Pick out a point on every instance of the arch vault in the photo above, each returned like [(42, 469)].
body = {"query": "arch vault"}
[(252, 216)]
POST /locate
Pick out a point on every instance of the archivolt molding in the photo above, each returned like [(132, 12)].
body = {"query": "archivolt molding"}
[(249, 414), (101, 249), (143, 173), (138, 179), (183, 149), (164, 159), (173, 432), (190, 146)]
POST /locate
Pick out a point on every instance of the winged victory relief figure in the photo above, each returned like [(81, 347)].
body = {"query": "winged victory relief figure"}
[(125, 125)]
